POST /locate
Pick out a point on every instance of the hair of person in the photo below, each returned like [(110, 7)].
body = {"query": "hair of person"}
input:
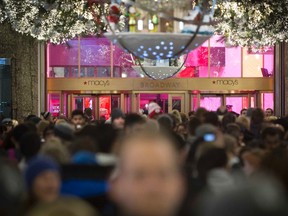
[(54, 149), (193, 123), (77, 112), (272, 112), (257, 116), (243, 121), (166, 122), (30, 144), (227, 119), (211, 118), (146, 135), (133, 118), (272, 131), (213, 158), (242, 110)]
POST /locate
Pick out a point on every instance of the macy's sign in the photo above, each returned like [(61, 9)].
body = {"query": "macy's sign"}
[(226, 82), (102, 83)]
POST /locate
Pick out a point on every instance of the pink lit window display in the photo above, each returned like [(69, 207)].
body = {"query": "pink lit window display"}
[(105, 106), (267, 100), (54, 103), (210, 103), (237, 103)]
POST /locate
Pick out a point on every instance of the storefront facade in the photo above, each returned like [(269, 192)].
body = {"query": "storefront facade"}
[(92, 72)]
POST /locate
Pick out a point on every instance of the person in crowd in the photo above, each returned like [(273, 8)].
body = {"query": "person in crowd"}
[(257, 120), (30, 144), (154, 110), (252, 159), (7, 126), (243, 112), (263, 196), (42, 178), (47, 116), (184, 118), (191, 114), (134, 123), (228, 119), (48, 133), (12, 190), (212, 118), (88, 114), (63, 207), (200, 112), (177, 116), (272, 138), (78, 119), (221, 112), (41, 127), (117, 119), (232, 148), (269, 112), (193, 124), (147, 186), (181, 130), (54, 149)]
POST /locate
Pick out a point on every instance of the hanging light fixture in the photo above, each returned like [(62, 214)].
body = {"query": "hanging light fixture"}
[(159, 46)]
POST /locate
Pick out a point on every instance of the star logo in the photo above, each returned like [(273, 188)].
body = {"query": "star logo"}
[(85, 83), (214, 82)]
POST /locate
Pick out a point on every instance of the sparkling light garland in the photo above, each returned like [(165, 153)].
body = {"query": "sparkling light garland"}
[(55, 20), (252, 23)]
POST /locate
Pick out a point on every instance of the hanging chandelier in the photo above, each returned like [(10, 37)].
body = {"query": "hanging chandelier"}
[(158, 44)]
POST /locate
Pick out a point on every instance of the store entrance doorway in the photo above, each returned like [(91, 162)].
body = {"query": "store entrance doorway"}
[(100, 105)]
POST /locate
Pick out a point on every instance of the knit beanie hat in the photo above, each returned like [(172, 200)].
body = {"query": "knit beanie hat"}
[(153, 109), (116, 113), (64, 131), (36, 166)]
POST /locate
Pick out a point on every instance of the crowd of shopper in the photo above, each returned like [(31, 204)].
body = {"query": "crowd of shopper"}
[(160, 164)]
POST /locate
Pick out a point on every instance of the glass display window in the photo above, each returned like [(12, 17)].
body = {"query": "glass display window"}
[(54, 105)]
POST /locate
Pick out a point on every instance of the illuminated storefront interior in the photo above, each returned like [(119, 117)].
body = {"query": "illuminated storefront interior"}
[(93, 73)]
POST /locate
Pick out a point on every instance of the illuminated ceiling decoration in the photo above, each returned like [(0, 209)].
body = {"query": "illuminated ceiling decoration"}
[(163, 47)]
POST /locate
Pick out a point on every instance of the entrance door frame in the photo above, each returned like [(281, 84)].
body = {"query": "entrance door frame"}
[(185, 108)]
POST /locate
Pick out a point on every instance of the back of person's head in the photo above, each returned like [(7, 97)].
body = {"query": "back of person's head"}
[(42, 125), (117, 113), (77, 112), (257, 116), (227, 119), (83, 143), (271, 131), (106, 136), (230, 144), (184, 118), (30, 144), (64, 131), (263, 196), (200, 112), (66, 206), (54, 149), (88, 111), (213, 158), (193, 123), (19, 131), (233, 130), (166, 122), (177, 115), (244, 121), (222, 111), (211, 118), (132, 119)]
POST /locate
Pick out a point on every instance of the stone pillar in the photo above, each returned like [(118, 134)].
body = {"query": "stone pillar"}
[(23, 52)]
